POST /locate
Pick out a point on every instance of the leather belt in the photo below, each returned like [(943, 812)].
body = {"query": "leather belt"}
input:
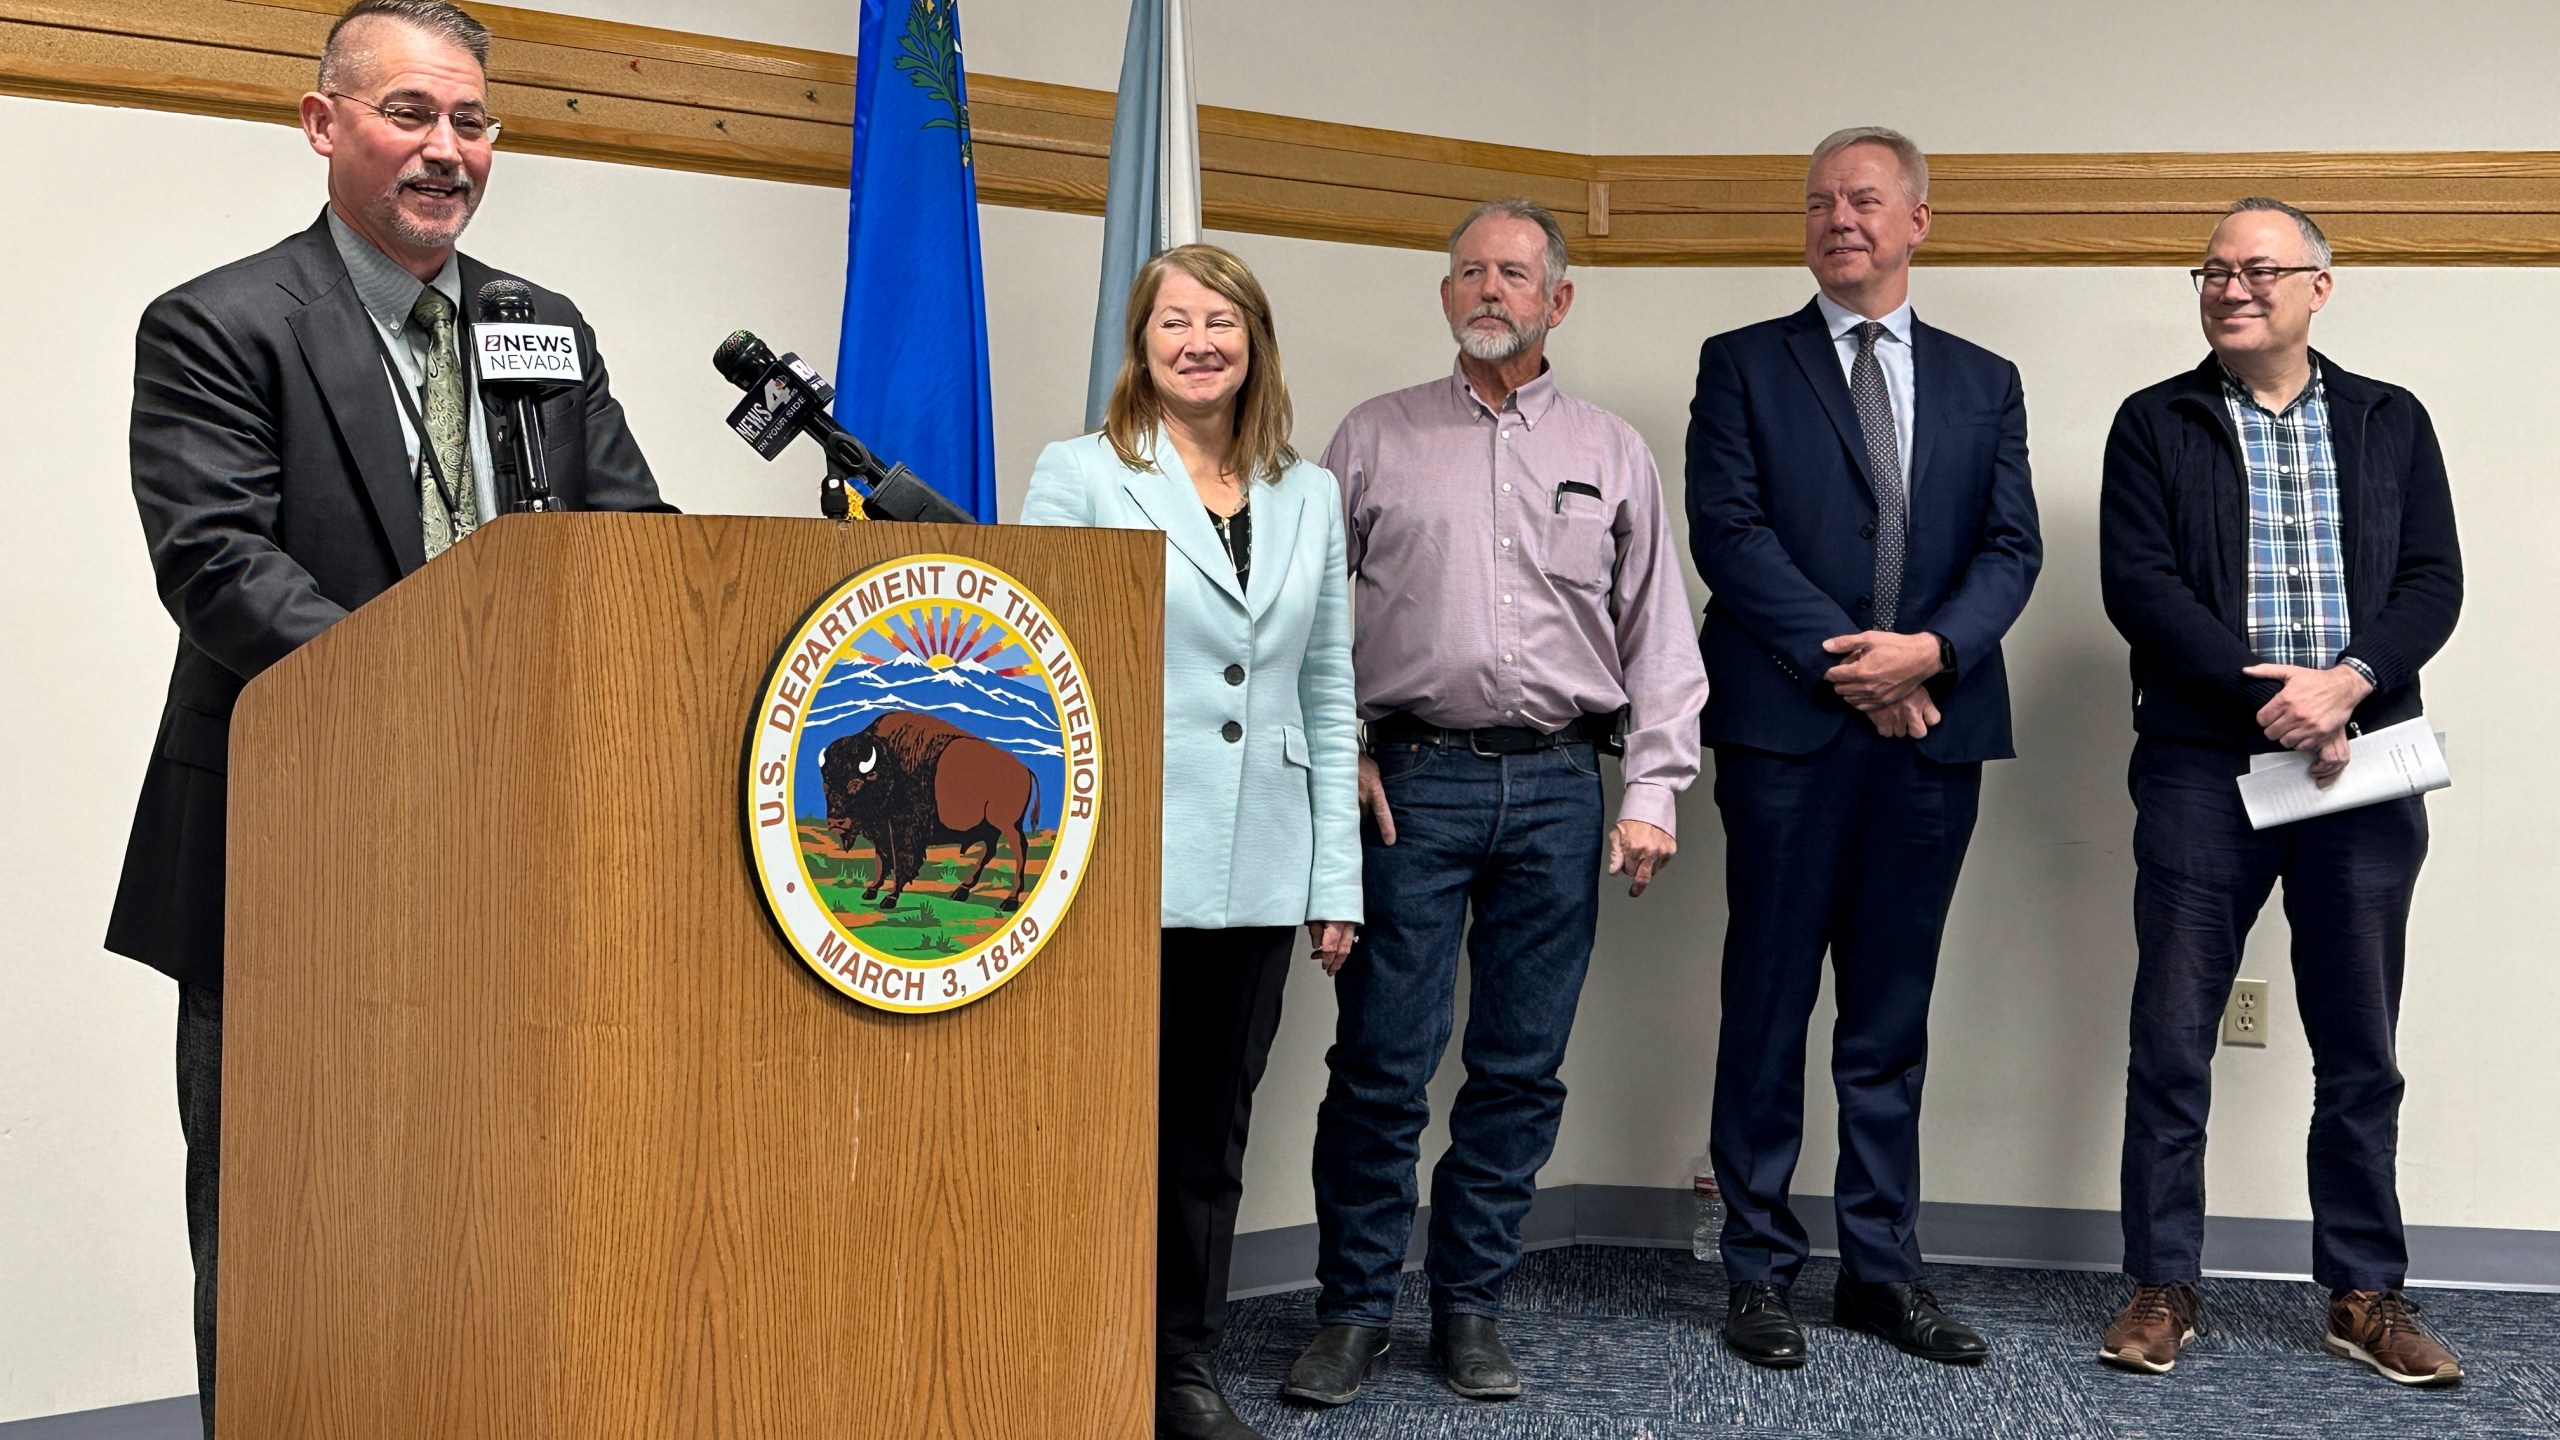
[(1404, 728)]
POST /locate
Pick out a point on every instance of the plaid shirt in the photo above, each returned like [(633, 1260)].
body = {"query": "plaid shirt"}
[(2297, 567)]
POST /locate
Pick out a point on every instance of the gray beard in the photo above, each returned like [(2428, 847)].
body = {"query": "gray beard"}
[(412, 233), (1495, 348)]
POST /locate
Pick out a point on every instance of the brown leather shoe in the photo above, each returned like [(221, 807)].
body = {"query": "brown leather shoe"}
[(2380, 1328), (2154, 1326)]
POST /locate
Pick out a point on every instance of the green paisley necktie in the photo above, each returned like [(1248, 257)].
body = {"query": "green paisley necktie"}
[(448, 426)]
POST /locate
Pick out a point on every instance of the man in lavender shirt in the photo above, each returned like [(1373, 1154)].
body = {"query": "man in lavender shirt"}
[(1516, 594)]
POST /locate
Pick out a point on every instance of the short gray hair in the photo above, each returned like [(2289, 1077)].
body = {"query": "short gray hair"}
[(1915, 166), (440, 18), (1517, 207), (2312, 240)]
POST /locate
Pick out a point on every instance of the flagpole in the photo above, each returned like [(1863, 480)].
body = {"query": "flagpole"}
[(1178, 182)]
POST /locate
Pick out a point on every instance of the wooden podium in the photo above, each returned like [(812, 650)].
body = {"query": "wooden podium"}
[(535, 1126)]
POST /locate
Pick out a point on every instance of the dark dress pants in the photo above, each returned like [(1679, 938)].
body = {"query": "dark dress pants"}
[(1853, 849), (1221, 1006), (200, 1121), (1514, 840), (2202, 876)]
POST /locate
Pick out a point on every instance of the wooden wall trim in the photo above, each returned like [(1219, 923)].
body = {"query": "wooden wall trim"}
[(629, 94)]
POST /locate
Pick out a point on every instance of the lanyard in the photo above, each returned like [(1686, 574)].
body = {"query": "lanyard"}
[(455, 526)]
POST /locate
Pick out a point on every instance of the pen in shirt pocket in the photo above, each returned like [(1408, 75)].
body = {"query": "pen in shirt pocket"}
[(1574, 487)]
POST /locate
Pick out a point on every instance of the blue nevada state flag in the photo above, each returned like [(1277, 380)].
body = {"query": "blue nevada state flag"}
[(912, 362)]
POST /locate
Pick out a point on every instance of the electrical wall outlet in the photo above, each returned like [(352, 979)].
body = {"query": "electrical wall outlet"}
[(2244, 1019)]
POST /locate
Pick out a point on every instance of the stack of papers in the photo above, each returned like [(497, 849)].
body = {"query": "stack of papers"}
[(2389, 764)]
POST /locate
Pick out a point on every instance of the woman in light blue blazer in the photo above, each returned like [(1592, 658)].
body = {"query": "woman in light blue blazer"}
[(1261, 751)]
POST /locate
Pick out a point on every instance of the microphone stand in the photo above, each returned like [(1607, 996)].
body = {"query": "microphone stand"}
[(529, 489), (886, 492), (837, 499)]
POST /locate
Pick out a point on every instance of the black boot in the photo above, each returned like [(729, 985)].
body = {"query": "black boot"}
[(1188, 1405), (1336, 1364), (1473, 1359)]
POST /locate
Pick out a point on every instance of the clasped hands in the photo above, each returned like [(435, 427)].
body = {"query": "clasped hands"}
[(1882, 676), (2310, 713)]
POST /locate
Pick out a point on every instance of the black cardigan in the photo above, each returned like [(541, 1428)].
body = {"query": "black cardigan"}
[(2173, 546)]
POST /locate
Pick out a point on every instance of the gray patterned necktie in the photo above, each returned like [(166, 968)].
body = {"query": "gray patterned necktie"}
[(1884, 470), (448, 418)]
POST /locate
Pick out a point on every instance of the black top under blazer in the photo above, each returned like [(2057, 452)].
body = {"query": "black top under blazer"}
[(277, 495), (2173, 552), (1782, 523)]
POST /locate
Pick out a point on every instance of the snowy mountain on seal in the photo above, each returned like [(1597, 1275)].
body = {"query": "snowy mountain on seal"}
[(1011, 712)]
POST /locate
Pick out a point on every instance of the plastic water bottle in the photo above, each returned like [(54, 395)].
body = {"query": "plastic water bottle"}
[(1706, 1236)]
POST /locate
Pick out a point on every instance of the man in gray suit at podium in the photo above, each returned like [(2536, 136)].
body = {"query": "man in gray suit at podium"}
[(279, 409)]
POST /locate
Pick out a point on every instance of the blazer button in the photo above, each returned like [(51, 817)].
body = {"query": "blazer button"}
[(1235, 674), (1233, 731), (1862, 602), (1866, 532)]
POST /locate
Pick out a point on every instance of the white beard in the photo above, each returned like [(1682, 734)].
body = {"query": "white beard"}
[(1499, 346)]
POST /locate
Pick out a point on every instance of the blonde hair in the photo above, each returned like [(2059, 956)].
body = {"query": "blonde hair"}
[(1262, 448), (1914, 165)]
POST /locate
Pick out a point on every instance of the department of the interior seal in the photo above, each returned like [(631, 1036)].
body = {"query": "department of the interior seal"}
[(923, 779)]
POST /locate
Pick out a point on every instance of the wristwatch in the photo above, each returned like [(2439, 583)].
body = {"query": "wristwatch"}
[(1946, 653)]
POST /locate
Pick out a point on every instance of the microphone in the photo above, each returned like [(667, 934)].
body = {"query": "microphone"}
[(519, 360), (787, 397)]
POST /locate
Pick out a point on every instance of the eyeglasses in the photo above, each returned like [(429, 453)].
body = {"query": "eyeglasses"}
[(2214, 279), (469, 126)]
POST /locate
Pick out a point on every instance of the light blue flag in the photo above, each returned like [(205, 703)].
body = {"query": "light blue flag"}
[(912, 360), (1153, 202)]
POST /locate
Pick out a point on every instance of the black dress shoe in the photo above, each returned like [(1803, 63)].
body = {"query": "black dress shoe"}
[(1909, 1317), (1472, 1357), (1761, 1327), (1188, 1405), (1336, 1363)]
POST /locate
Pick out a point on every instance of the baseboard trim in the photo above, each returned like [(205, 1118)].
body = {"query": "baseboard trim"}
[(176, 1418), (1270, 1261)]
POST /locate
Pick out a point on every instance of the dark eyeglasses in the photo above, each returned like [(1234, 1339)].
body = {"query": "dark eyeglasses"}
[(469, 126), (2214, 279)]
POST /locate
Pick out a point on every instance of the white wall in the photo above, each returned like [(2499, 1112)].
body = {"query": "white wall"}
[(2025, 1098), (2030, 75)]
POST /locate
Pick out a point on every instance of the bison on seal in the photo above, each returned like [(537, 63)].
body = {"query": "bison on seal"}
[(908, 781)]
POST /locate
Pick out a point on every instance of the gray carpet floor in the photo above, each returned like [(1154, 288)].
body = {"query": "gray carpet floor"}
[(1621, 1344)]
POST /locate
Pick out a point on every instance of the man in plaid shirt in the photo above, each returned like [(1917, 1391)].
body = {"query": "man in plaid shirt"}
[(2276, 541), (2297, 577)]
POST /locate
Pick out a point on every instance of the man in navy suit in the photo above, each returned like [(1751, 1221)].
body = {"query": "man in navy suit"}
[(1859, 507)]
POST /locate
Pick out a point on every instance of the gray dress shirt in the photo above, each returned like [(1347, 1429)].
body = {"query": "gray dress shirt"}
[(388, 294)]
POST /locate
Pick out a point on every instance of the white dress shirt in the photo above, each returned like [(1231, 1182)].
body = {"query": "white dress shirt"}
[(1893, 352)]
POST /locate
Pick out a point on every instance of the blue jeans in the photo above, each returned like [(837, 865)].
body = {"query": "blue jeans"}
[(1516, 839), (2201, 875)]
